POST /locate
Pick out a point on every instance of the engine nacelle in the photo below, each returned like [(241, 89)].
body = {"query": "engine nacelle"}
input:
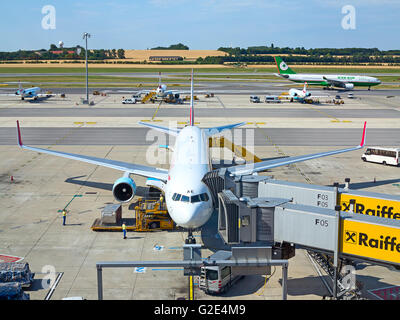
[(348, 86), (124, 189), (176, 95)]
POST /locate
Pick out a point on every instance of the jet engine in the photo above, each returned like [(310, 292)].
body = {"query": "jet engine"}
[(348, 86), (176, 95), (124, 189)]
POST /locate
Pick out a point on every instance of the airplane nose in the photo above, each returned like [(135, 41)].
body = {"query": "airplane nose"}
[(190, 216), (183, 216)]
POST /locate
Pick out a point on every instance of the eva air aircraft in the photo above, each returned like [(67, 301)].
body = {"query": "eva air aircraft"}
[(347, 82)]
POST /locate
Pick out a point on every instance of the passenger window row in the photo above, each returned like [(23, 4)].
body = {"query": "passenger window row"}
[(192, 199)]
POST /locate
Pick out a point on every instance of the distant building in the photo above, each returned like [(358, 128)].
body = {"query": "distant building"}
[(60, 52), (165, 58)]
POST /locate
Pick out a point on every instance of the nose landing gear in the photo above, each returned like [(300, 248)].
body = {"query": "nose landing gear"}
[(190, 239)]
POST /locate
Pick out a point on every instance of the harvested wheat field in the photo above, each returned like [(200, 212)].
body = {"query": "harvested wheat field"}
[(141, 55)]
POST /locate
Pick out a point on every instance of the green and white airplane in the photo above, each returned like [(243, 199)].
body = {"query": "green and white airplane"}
[(347, 82)]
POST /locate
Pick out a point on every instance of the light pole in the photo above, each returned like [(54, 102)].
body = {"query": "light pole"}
[(86, 36)]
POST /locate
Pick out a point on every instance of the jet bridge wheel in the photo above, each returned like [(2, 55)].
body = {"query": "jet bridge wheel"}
[(190, 241)]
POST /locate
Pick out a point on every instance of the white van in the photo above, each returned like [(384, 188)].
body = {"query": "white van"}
[(382, 155), (254, 99), (129, 101), (273, 99), (217, 279)]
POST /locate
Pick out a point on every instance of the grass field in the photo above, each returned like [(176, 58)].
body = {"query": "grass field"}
[(57, 76), (149, 68)]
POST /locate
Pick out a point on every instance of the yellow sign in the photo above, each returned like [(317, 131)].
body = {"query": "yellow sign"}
[(371, 206), (370, 240)]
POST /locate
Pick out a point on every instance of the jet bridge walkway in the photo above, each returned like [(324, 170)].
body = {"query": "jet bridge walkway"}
[(333, 224)]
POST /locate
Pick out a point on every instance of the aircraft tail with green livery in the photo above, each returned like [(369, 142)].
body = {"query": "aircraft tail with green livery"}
[(347, 82)]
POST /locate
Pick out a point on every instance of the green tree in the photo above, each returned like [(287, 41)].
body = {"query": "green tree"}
[(121, 54)]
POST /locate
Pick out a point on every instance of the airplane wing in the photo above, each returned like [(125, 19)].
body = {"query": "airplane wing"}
[(167, 92), (264, 165), (9, 95), (46, 95), (337, 83), (145, 171), (216, 130), (170, 131)]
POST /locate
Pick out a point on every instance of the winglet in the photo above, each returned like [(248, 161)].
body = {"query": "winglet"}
[(19, 135), (363, 136)]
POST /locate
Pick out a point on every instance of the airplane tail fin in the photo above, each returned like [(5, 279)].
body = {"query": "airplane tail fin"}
[(191, 122), (283, 68), (20, 88), (305, 87)]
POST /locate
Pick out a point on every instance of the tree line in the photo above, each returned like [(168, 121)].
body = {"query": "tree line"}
[(55, 53), (264, 54)]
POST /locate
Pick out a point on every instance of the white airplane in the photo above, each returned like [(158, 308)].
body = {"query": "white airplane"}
[(299, 95), (347, 82), (162, 92), (302, 95), (188, 199)]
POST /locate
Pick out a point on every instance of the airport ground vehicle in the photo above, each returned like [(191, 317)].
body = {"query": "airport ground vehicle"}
[(254, 99), (129, 101), (350, 96), (273, 99), (382, 155), (217, 279), (150, 215)]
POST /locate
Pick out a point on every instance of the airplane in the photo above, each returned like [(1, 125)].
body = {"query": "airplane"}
[(188, 199), (161, 91), (346, 82), (33, 92), (299, 95), (302, 95)]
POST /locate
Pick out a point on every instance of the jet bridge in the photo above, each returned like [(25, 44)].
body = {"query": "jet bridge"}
[(259, 210)]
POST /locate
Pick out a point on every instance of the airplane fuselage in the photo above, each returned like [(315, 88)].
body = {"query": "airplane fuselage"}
[(188, 199), (29, 93), (323, 80)]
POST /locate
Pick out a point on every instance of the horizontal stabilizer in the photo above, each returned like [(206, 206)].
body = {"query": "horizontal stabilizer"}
[(212, 131), (171, 131)]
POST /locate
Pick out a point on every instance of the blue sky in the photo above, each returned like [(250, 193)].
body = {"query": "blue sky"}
[(201, 24)]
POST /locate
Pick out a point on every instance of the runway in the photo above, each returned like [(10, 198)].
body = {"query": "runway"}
[(217, 87), (172, 112), (246, 137)]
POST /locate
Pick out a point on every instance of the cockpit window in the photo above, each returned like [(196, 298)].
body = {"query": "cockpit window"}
[(176, 197), (204, 197), (195, 199)]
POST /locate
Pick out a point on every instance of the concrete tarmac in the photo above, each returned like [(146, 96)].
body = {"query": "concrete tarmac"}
[(31, 224), (249, 137), (174, 112)]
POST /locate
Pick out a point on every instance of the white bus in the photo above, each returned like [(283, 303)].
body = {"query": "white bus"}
[(382, 155)]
